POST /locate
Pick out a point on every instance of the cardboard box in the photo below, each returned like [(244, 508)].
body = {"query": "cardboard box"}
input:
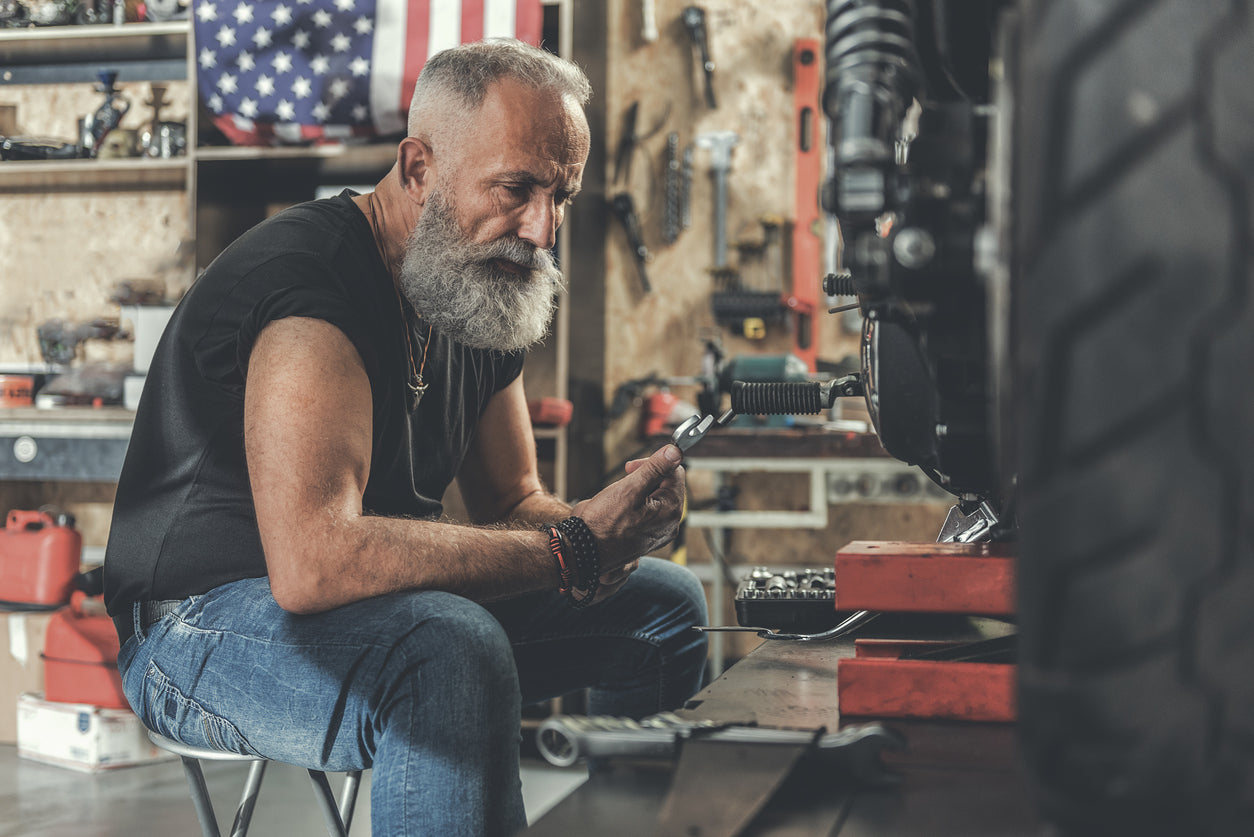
[(21, 663), (81, 736)]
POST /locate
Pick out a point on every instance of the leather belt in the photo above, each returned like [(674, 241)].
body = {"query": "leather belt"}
[(150, 612)]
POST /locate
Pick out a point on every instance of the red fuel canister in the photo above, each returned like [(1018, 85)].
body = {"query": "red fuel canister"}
[(39, 558), (81, 656)]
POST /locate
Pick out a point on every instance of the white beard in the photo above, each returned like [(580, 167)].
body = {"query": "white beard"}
[(453, 285)]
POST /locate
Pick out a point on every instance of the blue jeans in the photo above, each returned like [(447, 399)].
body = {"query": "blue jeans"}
[(423, 687)]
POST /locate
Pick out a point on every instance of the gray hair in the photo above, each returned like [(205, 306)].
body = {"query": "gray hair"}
[(464, 73)]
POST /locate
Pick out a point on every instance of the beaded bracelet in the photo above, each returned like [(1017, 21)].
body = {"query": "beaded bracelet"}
[(582, 549)]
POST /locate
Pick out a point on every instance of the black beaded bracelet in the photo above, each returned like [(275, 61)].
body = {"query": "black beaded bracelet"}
[(582, 552)]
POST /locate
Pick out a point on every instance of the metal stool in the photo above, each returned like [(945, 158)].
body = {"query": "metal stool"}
[(339, 818)]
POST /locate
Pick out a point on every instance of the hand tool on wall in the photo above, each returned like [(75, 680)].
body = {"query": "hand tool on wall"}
[(719, 144), (648, 21), (694, 22), (625, 210), (629, 141), (673, 188), (803, 297), (685, 188)]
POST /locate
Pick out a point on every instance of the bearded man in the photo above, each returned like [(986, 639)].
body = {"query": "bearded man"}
[(276, 569)]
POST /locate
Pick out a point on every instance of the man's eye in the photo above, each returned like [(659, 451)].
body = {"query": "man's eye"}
[(520, 191)]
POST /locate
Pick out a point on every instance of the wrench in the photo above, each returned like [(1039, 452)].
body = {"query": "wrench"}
[(720, 145), (694, 429)]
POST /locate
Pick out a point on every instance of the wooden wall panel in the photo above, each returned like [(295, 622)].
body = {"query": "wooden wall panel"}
[(751, 44)]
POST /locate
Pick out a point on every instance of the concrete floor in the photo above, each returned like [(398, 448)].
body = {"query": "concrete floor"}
[(38, 800)]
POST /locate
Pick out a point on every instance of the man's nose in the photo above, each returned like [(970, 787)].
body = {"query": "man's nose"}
[(539, 221)]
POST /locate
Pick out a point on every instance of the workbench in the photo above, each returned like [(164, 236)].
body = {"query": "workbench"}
[(955, 778)]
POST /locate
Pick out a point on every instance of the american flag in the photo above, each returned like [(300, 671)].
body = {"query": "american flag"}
[(295, 71)]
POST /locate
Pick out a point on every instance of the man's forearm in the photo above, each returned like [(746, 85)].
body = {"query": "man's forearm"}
[(371, 556), (536, 509)]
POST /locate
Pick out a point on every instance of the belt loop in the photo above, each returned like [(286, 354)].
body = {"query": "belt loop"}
[(137, 620)]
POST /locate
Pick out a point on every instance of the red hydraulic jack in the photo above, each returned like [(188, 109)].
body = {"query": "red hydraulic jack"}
[(896, 678)]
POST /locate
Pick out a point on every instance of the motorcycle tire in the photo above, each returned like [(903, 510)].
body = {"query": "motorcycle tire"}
[(1133, 324)]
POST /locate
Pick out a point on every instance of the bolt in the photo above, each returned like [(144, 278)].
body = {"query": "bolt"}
[(914, 247)]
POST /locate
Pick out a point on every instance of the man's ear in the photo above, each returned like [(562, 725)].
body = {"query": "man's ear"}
[(414, 159)]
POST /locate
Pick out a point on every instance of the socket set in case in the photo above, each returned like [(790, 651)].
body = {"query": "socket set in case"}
[(802, 601)]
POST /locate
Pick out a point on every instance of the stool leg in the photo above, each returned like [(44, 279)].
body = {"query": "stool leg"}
[(348, 799), (200, 797), (248, 799), (326, 801)]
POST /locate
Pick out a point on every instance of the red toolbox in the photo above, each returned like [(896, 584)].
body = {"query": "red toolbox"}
[(877, 682), (81, 656), (927, 678), (39, 558)]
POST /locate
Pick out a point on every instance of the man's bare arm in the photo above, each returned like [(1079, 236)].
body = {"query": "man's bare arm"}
[(307, 433), (499, 479)]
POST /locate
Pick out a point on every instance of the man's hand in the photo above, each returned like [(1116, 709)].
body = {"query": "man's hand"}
[(637, 514)]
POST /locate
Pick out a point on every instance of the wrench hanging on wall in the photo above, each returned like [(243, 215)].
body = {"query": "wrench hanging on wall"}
[(625, 210), (719, 144), (694, 21)]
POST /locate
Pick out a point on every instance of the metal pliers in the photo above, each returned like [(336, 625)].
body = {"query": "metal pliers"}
[(694, 429)]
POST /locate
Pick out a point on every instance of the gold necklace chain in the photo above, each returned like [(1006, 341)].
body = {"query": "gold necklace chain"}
[(416, 386)]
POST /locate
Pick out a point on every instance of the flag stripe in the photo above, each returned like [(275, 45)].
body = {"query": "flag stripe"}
[(529, 22), (387, 62), (472, 21), (499, 18), (446, 26), (417, 35)]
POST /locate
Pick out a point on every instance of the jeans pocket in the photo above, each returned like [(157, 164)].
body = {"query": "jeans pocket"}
[(170, 712)]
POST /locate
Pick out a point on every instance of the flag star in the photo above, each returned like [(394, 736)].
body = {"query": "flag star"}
[(300, 39), (363, 25), (206, 11), (215, 103), (282, 62), (359, 66), (322, 18), (246, 62), (345, 5), (282, 15), (225, 37), (321, 111), (319, 64), (338, 89), (265, 86), (262, 37), (302, 87), (243, 14), (208, 58), (341, 42), (360, 113), (227, 83), (248, 108), (285, 110)]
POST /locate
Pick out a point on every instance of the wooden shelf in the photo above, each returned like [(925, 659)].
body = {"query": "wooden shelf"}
[(333, 161), (78, 44), (131, 173)]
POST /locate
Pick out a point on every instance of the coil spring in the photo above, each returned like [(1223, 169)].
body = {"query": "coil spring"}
[(777, 399), (875, 37)]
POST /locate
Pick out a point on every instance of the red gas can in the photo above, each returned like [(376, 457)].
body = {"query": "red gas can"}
[(81, 656), (39, 557)]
